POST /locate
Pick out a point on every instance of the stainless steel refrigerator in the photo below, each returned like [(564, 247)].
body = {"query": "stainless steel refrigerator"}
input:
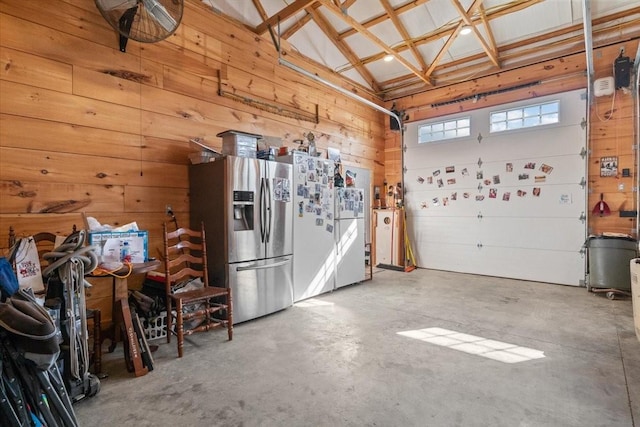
[(245, 204)]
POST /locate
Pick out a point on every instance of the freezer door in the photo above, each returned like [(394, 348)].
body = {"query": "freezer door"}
[(350, 266), (243, 209), (350, 203), (363, 181), (313, 227), (260, 287), (279, 213)]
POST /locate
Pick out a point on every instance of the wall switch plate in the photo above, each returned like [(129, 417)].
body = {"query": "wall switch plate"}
[(621, 186)]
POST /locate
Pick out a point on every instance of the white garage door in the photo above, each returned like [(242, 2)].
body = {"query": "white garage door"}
[(506, 204)]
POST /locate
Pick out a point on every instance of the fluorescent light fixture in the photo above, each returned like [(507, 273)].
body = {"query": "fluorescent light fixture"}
[(388, 58), (465, 30)]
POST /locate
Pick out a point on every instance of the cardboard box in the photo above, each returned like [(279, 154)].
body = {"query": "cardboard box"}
[(110, 245)]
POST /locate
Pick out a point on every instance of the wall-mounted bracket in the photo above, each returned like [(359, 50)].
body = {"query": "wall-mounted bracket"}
[(582, 217)]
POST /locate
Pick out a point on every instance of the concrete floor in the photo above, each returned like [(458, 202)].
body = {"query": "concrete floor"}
[(341, 362)]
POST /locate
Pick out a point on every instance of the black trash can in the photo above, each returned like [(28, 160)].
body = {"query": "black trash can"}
[(609, 258)]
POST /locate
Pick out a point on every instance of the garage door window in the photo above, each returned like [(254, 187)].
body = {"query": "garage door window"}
[(525, 117), (449, 129)]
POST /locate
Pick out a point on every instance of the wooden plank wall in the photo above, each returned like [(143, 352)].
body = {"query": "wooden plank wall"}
[(611, 130), (612, 134), (87, 128)]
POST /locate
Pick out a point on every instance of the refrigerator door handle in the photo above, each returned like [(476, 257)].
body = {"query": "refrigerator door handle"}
[(263, 266), (268, 215), (262, 210)]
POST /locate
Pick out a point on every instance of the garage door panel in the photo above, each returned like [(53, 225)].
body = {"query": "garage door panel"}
[(532, 233), (525, 264), (558, 201), (505, 204), (448, 256), (555, 140), (468, 148), (553, 201), (443, 230), (520, 181), (546, 265)]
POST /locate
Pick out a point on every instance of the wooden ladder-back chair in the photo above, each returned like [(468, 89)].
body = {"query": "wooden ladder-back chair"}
[(194, 310)]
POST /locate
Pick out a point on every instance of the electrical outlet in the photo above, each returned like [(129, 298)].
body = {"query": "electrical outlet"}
[(621, 187)]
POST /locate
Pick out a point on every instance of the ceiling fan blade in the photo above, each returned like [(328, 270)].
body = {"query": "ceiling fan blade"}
[(160, 14), (109, 5)]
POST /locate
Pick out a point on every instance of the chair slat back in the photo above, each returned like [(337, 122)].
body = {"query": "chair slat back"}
[(185, 256)]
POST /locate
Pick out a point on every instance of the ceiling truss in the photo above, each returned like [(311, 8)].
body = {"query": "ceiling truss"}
[(427, 72)]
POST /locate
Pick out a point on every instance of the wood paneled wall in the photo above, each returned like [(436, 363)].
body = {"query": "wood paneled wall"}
[(611, 124), (87, 128), (612, 135)]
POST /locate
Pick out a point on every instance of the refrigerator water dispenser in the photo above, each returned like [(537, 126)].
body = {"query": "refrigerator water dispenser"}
[(243, 210)]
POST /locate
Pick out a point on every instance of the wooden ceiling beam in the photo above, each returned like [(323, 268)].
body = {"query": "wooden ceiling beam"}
[(403, 33), (482, 68), (263, 13), (444, 49), (491, 53), (447, 30), (492, 39), (381, 18), (331, 33), (299, 23), (375, 40), (284, 14), (346, 4), (452, 37), (307, 17)]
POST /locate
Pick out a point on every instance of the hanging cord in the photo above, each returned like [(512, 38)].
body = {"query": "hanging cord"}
[(613, 99), (71, 261), (99, 271), (610, 115)]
